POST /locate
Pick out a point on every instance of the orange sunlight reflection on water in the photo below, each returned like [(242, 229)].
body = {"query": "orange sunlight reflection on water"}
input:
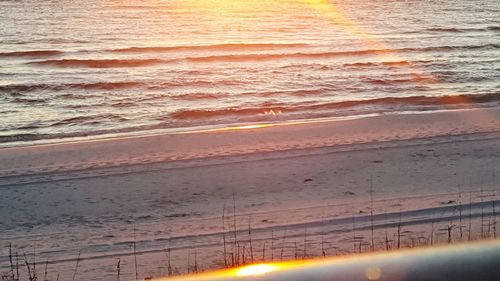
[(230, 13)]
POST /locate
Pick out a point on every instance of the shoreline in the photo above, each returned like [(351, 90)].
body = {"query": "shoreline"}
[(220, 127), (246, 139), (185, 130)]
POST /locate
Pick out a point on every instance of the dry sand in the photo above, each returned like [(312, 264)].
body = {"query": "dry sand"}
[(293, 184)]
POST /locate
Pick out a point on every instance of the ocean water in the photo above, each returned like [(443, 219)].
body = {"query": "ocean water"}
[(90, 68)]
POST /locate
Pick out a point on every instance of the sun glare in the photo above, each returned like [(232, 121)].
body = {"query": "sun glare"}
[(255, 270), (246, 127)]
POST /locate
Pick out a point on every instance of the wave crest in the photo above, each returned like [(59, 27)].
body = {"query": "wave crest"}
[(219, 47), (387, 101), (94, 63), (20, 88), (38, 53), (115, 63)]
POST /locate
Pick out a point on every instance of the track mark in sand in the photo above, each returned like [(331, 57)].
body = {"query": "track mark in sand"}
[(88, 170)]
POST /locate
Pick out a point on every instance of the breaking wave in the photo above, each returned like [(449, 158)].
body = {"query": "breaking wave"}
[(256, 112), (285, 108)]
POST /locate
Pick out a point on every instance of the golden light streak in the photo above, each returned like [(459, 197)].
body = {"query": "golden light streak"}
[(340, 262), (246, 127), (332, 14), (228, 13), (329, 11), (279, 124), (254, 270)]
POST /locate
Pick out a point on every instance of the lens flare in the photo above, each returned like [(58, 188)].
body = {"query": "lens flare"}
[(373, 273), (255, 270)]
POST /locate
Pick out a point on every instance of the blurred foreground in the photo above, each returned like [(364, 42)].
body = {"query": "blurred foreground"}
[(469, 261)]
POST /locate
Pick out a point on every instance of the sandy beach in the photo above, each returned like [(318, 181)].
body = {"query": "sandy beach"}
[(301, 187), (157, 138)]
